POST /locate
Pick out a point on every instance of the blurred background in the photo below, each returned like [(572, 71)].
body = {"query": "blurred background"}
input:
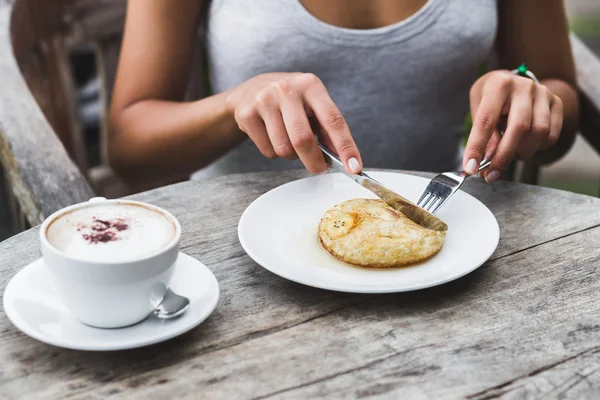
[(579, 171)]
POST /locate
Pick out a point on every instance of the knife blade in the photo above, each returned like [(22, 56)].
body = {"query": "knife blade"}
[(394, 200)]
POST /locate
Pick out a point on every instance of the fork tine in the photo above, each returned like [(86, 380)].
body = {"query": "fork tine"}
[(430, 198), (439, 189), (425, 193), (435, 201), (424, 197)]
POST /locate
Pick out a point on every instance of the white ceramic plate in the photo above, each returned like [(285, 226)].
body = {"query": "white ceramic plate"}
[(32, 305), (279, 232)]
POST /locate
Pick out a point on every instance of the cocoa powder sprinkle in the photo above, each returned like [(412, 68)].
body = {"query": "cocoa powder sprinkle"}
[(104, 231), (102, 237)]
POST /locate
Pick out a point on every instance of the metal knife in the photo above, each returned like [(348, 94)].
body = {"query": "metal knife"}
[(394, 200)]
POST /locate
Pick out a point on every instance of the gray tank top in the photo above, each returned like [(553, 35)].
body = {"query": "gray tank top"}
[(403, 88)]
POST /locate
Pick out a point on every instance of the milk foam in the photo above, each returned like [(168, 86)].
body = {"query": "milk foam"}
[(115, 232)]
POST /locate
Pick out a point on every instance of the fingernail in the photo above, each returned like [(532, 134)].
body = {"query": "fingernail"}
[(353, 165), (492, 176), (471, 166)]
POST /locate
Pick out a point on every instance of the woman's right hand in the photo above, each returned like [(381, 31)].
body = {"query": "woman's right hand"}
[(274, 111)]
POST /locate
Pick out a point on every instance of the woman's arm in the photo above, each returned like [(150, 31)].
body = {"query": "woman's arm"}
[(155, 135), (539, 116)]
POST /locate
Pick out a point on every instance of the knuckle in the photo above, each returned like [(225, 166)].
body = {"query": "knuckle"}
[(284, 150), (267, 151), (309, 79), (543, 91), (300, 129), (302, 141), (521, 125), (503, 81), (527, 85), (244, 114), (262, 99), (335, 120), (541, 128), (283, 86)]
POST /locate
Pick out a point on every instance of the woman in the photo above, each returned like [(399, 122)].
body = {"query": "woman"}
[(387, 82)]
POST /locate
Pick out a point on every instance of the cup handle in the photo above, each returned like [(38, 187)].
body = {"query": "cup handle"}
[(96, 199)]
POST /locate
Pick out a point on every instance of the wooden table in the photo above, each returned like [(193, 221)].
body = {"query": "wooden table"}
[(525, 324)]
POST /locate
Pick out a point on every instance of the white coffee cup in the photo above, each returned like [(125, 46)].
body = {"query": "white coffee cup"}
[(109, 293)]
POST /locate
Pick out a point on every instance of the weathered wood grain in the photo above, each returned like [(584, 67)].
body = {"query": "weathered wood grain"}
[(522, 320), (266, 326), (517, 315), (42, 54), (572, 378), (41, 175), (93, 20)]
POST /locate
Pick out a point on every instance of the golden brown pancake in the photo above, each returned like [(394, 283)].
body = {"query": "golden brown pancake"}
[(371, 234)]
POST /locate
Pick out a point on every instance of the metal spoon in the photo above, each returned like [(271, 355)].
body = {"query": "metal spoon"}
[(172, 305)]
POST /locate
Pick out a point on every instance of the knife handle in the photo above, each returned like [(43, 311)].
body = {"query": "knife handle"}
[(334, 162), (331, 159)]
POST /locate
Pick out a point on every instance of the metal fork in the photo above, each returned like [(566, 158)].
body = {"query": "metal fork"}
[(444, 185)]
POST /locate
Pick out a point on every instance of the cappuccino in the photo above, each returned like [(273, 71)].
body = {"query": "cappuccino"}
[(111, 233)]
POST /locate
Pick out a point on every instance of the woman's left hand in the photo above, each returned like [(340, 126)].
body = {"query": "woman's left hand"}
[(533, 115)]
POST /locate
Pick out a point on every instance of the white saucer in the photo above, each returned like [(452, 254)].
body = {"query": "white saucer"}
[(279, 231), (31, 304)]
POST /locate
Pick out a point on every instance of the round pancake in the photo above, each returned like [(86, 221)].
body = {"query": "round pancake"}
[(371, 234)]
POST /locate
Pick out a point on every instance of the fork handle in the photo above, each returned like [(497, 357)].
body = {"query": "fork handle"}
[(485, 163), (488, 160)]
